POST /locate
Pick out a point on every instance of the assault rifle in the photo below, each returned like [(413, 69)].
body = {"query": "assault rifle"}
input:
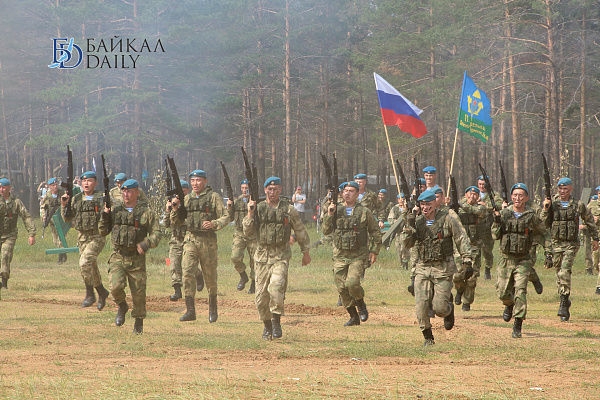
[(417, 183), (48, 217), (547, 183), (332, 180), (454, 204), (106, 183), (228, 186), (403, 184), (503, 186), (68, 185), (488, 187), (177, 189), (251, 175), (391, 233)]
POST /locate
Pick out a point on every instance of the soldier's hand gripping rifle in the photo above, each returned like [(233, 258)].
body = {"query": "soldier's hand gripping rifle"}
[(105, 181), (332, 184), (68, 185), (177, 189), (503, 186), (488, 187), (228, 186), (251, 175)]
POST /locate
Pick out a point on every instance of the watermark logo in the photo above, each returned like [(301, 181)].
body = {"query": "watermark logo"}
[(64, 57)]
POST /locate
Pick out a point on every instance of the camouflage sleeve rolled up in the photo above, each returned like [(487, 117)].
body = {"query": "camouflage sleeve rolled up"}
[(299, 229), (26, 217), (374, 233)]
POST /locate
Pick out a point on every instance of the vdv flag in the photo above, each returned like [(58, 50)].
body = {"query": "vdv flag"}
[(475, 110), (398, 110)]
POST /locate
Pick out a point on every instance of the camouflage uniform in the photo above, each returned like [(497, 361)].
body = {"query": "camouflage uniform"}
[(242, 243), (369, 200), (403, 253), (10, 210), (50, 204), (487, 242), (176, 252), (594, 208), (117, 197), (355, 236), (435, 265)]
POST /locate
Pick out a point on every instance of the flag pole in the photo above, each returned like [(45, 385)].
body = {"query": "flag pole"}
[(387, 136), (452, 162)]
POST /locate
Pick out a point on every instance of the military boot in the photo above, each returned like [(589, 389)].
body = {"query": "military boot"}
[(589, 271), (362, 310), (458, 298), (5, 282), (516, 333), (252, 288), (354, 318), (190, 313), (177, 294), (563, 308), (62, 258), (507, 314), (102, 296), (120, 318), (488, 274), (449, 319), (428, 335), (199, 282), (598, 290), (411, 287), (212, 308), (276, 321), (268, 330), (90, 297), (243, 280), (466, 307), (138, 326)]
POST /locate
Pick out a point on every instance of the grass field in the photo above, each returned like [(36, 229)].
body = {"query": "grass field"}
[(52, 348)]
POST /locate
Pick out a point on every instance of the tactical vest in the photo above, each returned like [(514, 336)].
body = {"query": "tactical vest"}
[(565, 222), (240, 209), (472, 224), (9, 211), (433, 242), (516, 235), (274, 227), (87, 212), (127, 229), (200, 209), (350, 234)]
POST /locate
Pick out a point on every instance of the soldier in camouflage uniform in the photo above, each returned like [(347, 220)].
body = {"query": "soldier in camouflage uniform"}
[(473, 216), (516, 227), (115, 192), (366, 197), (383, 207), (594, 207), (430, 176), (356, 241), (86, 208), (11, 209), (134, 230), (413, 255), (50, 204), (205, 215), (397, 212), (271, 222), (242, 243), (562, 215), (432, 233), (487, 242)]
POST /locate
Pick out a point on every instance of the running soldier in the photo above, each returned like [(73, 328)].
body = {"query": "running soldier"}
[(51, 204)]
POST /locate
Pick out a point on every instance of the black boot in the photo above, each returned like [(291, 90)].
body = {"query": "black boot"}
[(243, 280), (120, 318), (199, 282), (449, 319), (102, 296), (276, 321), (507, 314), (4, 282), (362, 310), (563, 308), (458, 298), (466, 307), (252, 288), (589, 271), (354, 318), (488, 274), (138, 327), (177, 295), (411, 287), (62, 258), (517, 327), (212, 308), (190, 313), (268, 330), (428, 335), (90, 297)]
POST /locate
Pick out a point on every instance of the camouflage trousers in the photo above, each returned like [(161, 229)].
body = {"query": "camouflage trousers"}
[(346, 275), (487, 251), (511, 286), (129, 270), (271, 285), (563, 258), (90, 246), (175, 256), (467, 288), (55, 237), (199, 250), (433, 283), (402, 251), (7, 247), (240, 245)]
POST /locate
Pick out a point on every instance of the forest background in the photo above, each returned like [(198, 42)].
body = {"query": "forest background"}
[(290, 79)]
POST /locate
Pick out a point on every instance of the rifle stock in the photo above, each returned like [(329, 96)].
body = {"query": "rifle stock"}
[(417, 183), (454, 204), (488, 187), (331, 180), (503, 186), (250, 172), (228, 186), (547, 182), (69, 184), (106, 184), (177, 187), (403, 183)]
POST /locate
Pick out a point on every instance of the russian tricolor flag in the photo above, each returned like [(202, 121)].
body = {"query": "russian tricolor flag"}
[(398, 110)]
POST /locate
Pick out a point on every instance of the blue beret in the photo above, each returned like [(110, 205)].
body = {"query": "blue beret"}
[(341, 186), (351, 183), (427, 196), (422, 181), (4, 182), (383, 191), (594, 197), (184, 184), (472, 189), (198, 173), (51, 181), (437, 189), (565, 181), (429, 170), (244, 182), (272, 180), (597, 188), (480, 178), (129, 184), (360, 176), (88, 175), (120, 177), (400, 195), (519, 186)]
